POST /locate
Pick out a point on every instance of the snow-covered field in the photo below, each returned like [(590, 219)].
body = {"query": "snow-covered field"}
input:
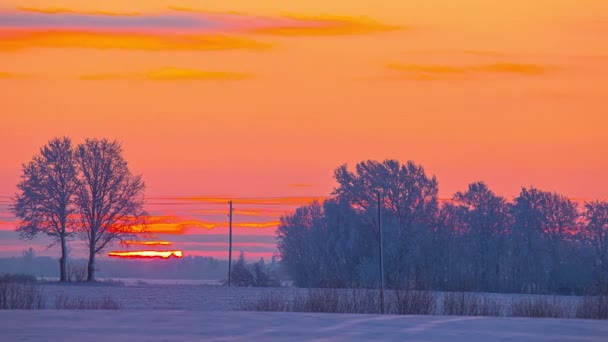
[(203, 297), (154, 312), (165, 325)]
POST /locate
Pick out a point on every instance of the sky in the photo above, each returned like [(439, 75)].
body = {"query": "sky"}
[(259, 100)]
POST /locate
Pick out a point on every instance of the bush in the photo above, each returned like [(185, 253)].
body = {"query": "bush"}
[(20, 293), (593, 307), (540, 307), (272, 301), (17, 278), (364, 301), (256, 275), (319, 300), (469, 304), (63, 302), (77, 272), (411, 302)]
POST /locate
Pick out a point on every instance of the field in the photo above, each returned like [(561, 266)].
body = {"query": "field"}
[(221, 298), (154, 312), (180, 325)]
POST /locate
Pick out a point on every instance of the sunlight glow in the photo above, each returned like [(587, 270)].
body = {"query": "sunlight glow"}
[(146, 254)]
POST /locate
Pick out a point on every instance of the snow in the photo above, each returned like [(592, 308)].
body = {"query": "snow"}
[(154, 312), (203, 297), (180, 325)]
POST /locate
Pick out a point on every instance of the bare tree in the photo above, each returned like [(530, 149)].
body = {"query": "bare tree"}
[(409, 203), (596, 231), (45, 201), (109, 198), (486, 217), (543, 223), (408, 193)]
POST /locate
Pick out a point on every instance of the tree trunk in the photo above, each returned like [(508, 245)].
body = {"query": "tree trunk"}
[(91, 265), (63, 261)]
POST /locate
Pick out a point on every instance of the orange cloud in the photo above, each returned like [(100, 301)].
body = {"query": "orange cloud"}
[(6, 75), (178, 225), (63, 10), (300, 185), (146, 243), (103, 77), (251, 200), (202, 11), (177, 74), (170, 74), (438, 71), (248, 212), (512, 68), (324, 25), (5, 225), (19, 40), (300, 25)]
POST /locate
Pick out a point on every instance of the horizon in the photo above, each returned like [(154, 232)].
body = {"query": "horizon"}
[(252, 100)]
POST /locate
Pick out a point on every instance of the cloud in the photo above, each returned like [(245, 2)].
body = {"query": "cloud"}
[(169, 74), (103, 77), (6, 75), (63, 10), (303, 200), (246, 212), (301, 185), (202, 11), (512, 68), (11, 40), (324, 25), (146, 243), (440, 71), (104, 22), (177, 74), (179, 225), (177, 30)]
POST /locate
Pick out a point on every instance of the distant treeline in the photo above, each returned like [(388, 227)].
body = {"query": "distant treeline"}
[(539, 242), (188, 267)]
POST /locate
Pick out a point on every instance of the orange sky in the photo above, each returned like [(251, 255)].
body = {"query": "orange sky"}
[(265, 98)]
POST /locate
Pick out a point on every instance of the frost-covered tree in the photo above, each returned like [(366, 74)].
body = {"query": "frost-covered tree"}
[(109, 197), (241, 276), (409, 205), (596, 232), (44, 203), (486, 217), (543, 223), (477, 241)]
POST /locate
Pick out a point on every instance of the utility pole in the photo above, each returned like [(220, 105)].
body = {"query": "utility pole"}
[(381, 255), (230, 247)]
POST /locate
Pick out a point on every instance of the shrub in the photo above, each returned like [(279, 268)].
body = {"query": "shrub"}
[(19, 292), (593, 307), (411, 302), (363, 301), (540, 307), (319, 300), (460, 304), (271, 301), (77, 272), (62, 301), (17, 278)]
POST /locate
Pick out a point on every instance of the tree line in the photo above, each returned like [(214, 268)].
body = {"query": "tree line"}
[(85, 192), (538, 242)]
